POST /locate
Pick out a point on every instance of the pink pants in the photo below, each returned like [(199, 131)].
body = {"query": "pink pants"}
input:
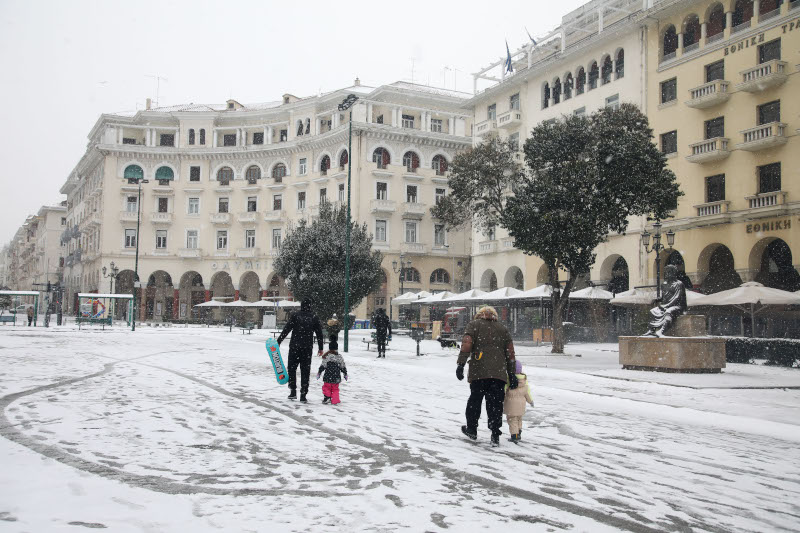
[(332, 391)]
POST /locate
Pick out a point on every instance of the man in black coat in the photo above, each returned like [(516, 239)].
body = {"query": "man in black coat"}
[(303, 326), (382, 326)]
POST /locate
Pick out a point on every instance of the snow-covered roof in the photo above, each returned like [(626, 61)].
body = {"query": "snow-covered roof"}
[(430, 90)]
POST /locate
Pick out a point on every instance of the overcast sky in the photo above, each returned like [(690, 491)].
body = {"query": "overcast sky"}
[(63, 63)]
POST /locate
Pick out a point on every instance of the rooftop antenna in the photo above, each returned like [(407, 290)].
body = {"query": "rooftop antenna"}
[(158, 86), (412, 70)]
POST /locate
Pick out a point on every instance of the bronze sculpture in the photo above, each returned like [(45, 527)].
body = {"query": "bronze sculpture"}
[(671, 306)]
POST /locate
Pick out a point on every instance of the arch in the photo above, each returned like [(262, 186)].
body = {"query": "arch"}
[(619, 64), (249, 287), (278, 172), (606, 69), (276, 288), (381, 157), (123, 284), (774, 265), (324, 164), (439, 164), (489, 281), (165, 173), (715, 269), (614, 272), (191, 136), (742, 12), (769, 5), (594, 75), (542, 275), (580, 81), (691, 30), (221, 285), (411, 160), (715, 20), (159, 296), (133, 172), (202, 136), (253, 173), (344, 158), (669, 41), (568, 85), (514, 278), (581, 282), (545, 95), (556, 91), (411, 275), (300, 127), (674, 257), (440, 275), (225, 174)]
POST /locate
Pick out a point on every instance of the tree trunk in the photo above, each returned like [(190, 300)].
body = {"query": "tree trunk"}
[(558, 327)]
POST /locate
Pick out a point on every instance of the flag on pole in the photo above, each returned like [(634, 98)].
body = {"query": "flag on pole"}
[(529, 36), (509, 66)]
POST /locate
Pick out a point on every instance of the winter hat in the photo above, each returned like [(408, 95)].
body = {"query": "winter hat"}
[(306, 304), (518, 367), (333, 345)]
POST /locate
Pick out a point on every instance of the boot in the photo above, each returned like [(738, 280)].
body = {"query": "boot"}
[(303, 397), (292, 394), (326, 399), (495, 440), (514, 438), (471, 433)]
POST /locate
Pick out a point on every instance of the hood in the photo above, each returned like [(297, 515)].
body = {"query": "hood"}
[(305, 305), (487, 312)]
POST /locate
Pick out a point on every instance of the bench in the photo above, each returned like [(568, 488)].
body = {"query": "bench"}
[(247, 327), (88, 320), (373, 340), (8, 318)]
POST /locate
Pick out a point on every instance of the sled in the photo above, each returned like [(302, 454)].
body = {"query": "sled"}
[(274, 352)]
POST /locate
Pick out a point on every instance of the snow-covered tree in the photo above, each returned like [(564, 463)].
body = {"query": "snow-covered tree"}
[(312, 260), (586, 176)]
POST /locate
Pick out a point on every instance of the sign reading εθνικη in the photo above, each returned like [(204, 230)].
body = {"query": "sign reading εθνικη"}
[(772, 225)]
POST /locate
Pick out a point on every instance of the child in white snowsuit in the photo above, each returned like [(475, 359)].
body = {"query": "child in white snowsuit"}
[(333, 368), (514, 404)]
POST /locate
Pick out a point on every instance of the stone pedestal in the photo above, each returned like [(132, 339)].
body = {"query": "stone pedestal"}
[(688, 326)]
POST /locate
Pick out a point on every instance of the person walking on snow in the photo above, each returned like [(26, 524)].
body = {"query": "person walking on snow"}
[(30, 315), (488, 346), (334, 368), (382, 326), (303, 326), (514, 404)]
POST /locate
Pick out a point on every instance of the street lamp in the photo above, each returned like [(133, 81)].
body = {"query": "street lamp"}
[(657, 247), (113, 275), (403, 266), (136, 283), (346, 104)]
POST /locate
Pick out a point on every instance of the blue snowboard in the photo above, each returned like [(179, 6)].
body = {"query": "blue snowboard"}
[(274, 352)]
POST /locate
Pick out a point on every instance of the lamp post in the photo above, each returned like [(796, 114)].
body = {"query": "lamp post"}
[(346, 104), (136, 282), (114, 270), (657, 247), (403, 265)]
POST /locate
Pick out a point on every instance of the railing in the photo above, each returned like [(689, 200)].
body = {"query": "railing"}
[(128, 216), (487, 247), (161, 218), (482, 128), (667, 57), (416, 209), (415, 248), (765, 131), (767, 199), (248, 216), (769, 14), (763, 70), (220, 218), (509, 118), (712, 208), (794, 4), (716, 37), (382, 205), (274, 215), (741, 27), (189, 252), (709, 145), (691, 48), (708, 89)]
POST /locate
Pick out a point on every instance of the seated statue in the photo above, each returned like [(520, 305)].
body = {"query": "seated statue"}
[(671, 305)]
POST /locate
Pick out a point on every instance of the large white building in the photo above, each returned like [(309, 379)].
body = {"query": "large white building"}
[(33, 257), (225, 183)]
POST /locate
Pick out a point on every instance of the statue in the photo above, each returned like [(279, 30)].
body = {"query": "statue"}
[(671, 306)]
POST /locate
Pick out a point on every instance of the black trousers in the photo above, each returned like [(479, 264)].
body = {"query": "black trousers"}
[(494, 392), (381, 341), (300, 358)]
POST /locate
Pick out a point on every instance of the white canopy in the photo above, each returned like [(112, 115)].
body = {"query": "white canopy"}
[(211, 303), (410, 297), (503, 293), (237, 303), (261, 303), (591, 293), (542, 291), (464, 296), (19, 293), (435, 298), (115, 296), (647, 296), (750, 292), (287, 303)]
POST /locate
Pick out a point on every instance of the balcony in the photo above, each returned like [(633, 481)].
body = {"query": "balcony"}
[(247, 252), (126, 216), (189, 253), (161, 218), (709, 150), (763, 137), (767, 199), (487, 247), (220, 218), (709, 94), (414, 248), (381, 171), (382, 206), (510, 119), (413, 210), (274, 215), (94, 220), (248, 217), (763, 76), (712, 208), (485, 128)]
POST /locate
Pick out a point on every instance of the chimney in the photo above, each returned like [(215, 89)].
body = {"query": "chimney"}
[(147, 103), (357, 82)]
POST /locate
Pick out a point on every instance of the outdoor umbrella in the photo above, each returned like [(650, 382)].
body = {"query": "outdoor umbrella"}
[(591, 293), (464, 296), (542, 291), (410, 298), (647, 296), (287, 303), (261, 303), (503, 293), (434, 298), (237, 303), (211, 303)]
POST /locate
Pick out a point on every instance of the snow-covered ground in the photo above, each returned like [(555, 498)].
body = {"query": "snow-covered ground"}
[(173, 429)]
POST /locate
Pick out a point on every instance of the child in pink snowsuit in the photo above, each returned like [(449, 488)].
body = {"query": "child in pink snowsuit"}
[(333, 368)]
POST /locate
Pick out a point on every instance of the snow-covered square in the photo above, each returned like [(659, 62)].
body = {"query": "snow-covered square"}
[(186, 429)]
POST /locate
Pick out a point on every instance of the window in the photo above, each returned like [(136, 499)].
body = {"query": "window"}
[(133, 172), (130, 238), (769, 178), (411, 194), (194, 173), (580, 81), (161, 239), (715, 71), (491, 112), (303, 166), (163, 205), (436, 125), (612, 101), (252, 204), (669, 90), (63, 221), (164, 175), (166, 139), (191, 239), (343, 159), (277, 202), (225, 175), (379, 119), (222, 239), (380, 230), (411, 232), (546, 96), (202, 136), (301, 200), (278, 172), (249, 238), (769, 51), (229, 139), (324, 165), (323, 195), (284, 135), (439, 164), (439, 236), (557, 91), (691, 32), (223, 205), (411, 161), (606, 71), (715, 188), (716, 23), (381, 191), (194, 206), (411, 274), (381, 157), (131, 204), (128, 140), (594, 74), (258, 137), (743, 12), (276, 238), (579, 112), (670, 42), (568, 87), (439, 195), (408, 121), (252, 174), (191, 136), (769, 112), (513, 140), (669, 142), (620, 65), (715, 128), (513, 102), (440, 275), (341, 192)]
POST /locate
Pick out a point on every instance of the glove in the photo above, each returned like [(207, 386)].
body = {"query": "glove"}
[(460, 372), (513, 382), (345, 377), (389, 338), (319, 374)]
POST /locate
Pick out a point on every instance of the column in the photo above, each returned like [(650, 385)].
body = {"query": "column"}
[(147, 137), (317, 126), (680, 45), (756, 11), (599, 21), (268, 134), (177, 137), (703, 31), (176, 303), (451, 125), (213, 137), (239, 137), (208, 296), (119, 135), (236, 294), (728, 23), (369, 113), (143, 304)]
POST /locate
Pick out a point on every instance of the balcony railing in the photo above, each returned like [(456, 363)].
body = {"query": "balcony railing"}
[(709, 94), (741, 27), (486, 127), (382, 206), (763, 76), (220, 218), (767, 199), (691, 47), (415, 248), (509, 119), (487, 247), (712, 208), (274, 215), (709, 150), (762, 137), (127, 216), (413, 210), (189, 252), (769, 15), (247, 252), (248, 217), (161, 218)]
